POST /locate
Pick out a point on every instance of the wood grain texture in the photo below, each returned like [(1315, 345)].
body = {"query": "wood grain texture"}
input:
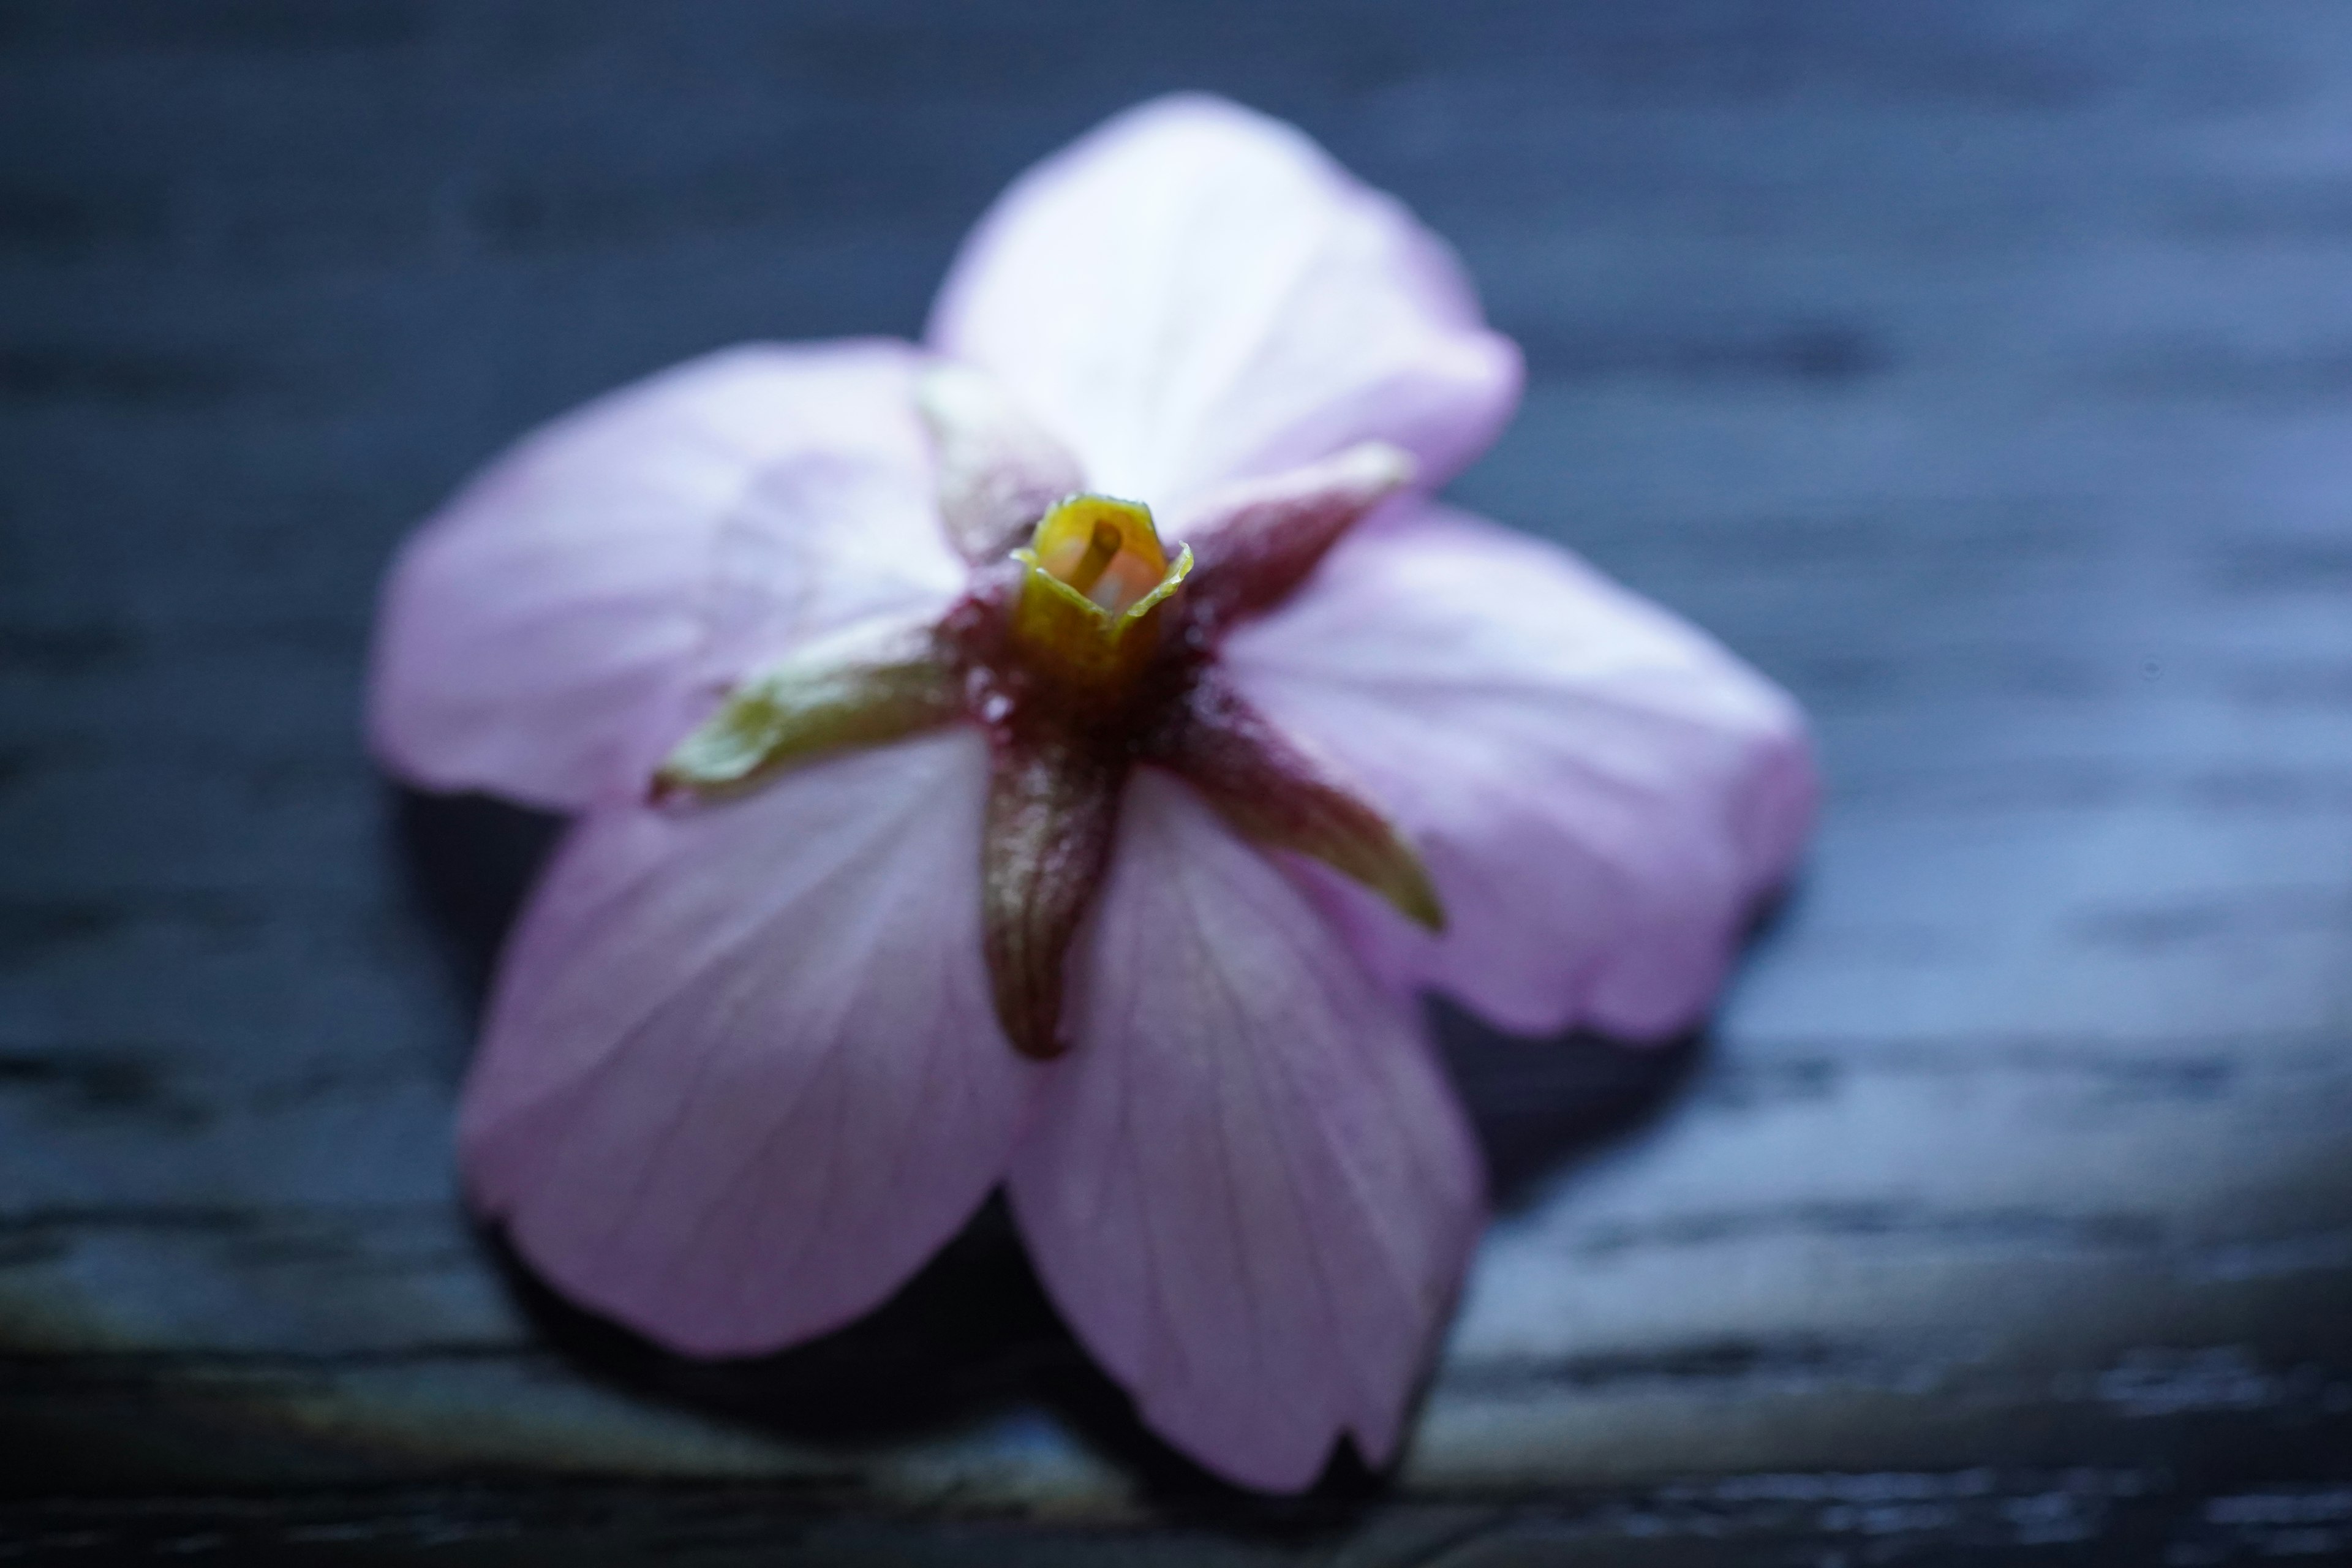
[(1983, 373)]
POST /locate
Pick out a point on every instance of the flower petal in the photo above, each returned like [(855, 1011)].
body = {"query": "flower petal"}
[(1600, 790), (1195, 293), (563, 622), (740, 1077), (1249, 1189), (998, 470)]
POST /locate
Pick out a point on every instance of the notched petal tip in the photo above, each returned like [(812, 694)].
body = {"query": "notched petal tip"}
[(809, 707), (1254, 1211)]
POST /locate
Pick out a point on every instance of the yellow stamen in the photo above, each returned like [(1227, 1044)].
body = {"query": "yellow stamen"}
[(1101, 551), (1097, 570)]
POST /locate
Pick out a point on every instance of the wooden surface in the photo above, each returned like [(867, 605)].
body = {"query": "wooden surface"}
[(1983, 371)]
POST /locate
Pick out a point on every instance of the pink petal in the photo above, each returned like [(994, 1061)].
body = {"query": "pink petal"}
[(1600, 790), (1194, 293), (740, 1077), (999, 471), (574, 611), (1249, 1189)]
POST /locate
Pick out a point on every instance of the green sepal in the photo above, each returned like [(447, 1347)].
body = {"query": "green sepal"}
[(808, 708), (1052, 816)]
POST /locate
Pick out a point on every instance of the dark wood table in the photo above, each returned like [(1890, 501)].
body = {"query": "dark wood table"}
[(1983, 371)]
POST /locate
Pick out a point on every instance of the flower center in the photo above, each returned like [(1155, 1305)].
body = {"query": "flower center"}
[(1084, 654), (1094, 575), (1107, 550)]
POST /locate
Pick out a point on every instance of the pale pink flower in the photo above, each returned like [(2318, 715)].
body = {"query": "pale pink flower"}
[(857, 793)]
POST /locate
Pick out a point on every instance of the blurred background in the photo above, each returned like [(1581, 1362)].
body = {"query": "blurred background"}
[(1982, 373)]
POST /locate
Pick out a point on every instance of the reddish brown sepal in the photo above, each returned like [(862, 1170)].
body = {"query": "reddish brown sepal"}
[(1253, 547), (1053, 808), (1274, 794)]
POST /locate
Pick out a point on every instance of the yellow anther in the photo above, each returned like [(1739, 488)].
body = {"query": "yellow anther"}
[(1097, 570), (1101, 551)]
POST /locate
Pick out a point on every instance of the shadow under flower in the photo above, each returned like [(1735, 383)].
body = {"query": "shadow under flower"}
[(971, 1337), (1540, 1105), (973, 1334), (469, 862)]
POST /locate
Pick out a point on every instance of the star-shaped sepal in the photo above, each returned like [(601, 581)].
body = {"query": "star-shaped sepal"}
[(1083, 652)]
